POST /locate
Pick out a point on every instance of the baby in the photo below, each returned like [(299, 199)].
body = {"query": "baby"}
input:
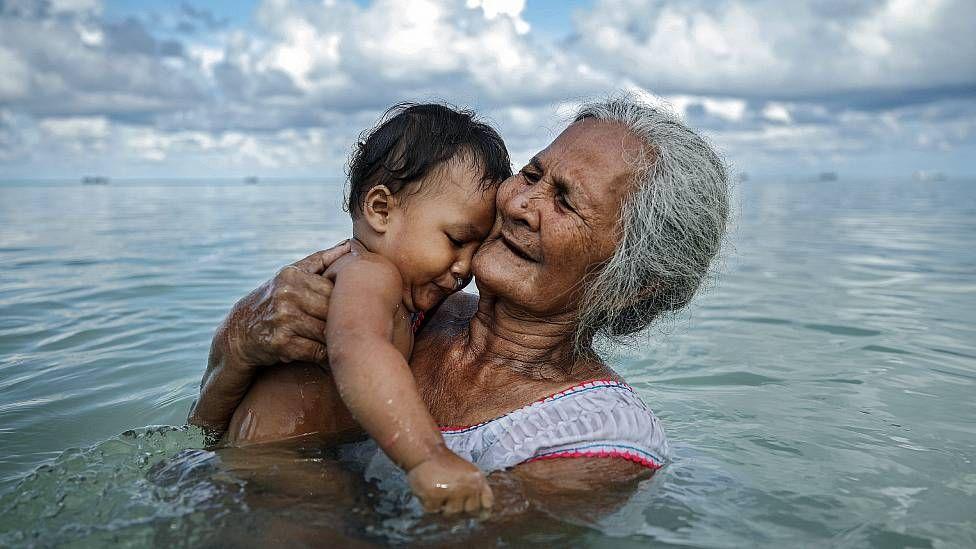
[(422, 198)]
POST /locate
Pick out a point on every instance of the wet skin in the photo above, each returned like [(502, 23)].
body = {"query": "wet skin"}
[(476, 359), (410, 250)]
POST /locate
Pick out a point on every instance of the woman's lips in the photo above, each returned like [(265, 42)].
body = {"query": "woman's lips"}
[(517, 250)]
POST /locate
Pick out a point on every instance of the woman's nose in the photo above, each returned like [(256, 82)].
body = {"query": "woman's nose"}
[(521, 207)]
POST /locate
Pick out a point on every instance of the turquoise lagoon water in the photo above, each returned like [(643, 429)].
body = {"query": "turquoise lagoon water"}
[(820, 393)]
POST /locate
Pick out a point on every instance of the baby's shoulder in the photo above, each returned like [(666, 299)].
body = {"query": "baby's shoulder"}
[(366, 268)]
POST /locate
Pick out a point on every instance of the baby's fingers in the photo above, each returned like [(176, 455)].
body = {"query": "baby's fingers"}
[(432, 504), (473, 503), (454, 505)]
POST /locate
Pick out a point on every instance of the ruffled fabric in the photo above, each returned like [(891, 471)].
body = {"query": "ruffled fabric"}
[(602, 418)]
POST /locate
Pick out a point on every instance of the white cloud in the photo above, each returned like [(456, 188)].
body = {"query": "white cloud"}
[(769, 48), (510, 8), (777, 112), (18, 136), (81, 127), (729, 109), (399, 48), (761, 77), (90, 36), (14, 83)]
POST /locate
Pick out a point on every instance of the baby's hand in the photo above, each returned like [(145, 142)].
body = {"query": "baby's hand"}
[(449, 484)]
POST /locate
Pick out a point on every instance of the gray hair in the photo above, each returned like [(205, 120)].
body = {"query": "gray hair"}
[(671, 225)]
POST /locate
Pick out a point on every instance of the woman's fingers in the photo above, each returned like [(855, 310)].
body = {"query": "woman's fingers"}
[(300, 349), (309, 327), (309, 292), (293, 305), (318, 262), (313, 296)]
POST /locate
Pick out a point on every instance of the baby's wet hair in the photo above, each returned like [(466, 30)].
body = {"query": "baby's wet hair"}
[(413, 139)]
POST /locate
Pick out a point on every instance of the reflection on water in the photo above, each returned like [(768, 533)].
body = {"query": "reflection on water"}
[(819, 393)]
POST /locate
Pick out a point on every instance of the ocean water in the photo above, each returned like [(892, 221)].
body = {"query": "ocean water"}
[(820, 393)]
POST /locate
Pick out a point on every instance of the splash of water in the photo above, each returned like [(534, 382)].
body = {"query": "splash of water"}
[(124, 490)]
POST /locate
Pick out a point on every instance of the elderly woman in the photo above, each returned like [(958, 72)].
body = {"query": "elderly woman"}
[(612, 225)]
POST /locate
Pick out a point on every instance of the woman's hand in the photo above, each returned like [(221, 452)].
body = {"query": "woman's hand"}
[(281, 321)]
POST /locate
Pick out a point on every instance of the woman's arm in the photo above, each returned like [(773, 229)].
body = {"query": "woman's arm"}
[(579, 475), (581, 490), (281, 321)]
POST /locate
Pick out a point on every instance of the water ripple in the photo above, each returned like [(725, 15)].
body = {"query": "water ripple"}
[(819, 393)]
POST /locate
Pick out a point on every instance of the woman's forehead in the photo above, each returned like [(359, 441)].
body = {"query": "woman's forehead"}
[(592, 153)]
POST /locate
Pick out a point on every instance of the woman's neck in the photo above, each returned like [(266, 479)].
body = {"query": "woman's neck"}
[(503, 336)]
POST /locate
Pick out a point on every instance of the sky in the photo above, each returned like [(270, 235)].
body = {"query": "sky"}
[(283, 88)]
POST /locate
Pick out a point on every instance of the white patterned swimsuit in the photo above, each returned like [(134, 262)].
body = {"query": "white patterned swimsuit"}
[(602, 418)]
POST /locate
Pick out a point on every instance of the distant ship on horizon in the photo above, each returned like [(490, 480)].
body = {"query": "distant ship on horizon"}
[(251, 180), (827, 176), (94, 180)]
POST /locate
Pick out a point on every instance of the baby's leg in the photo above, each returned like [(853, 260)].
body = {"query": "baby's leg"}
[(289, 401)]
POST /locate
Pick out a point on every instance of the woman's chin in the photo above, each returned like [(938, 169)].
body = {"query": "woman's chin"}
[(497, 280), (494, 267)]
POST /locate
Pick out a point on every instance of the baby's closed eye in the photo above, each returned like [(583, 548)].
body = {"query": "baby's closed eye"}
[(457, 242)]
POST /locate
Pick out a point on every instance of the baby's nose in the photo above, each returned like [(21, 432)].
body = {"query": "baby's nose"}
[(460, 277), (460, 274), (462, 266)]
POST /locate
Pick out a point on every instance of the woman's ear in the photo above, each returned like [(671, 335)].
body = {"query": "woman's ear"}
[(377, 205)]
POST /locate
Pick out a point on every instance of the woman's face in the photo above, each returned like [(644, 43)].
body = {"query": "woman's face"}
[(556, 219)]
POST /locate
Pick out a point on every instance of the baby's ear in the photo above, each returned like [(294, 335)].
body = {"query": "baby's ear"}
[(377, 205)]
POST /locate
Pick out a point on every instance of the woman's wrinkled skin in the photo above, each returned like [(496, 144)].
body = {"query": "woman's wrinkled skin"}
[(476, 359)]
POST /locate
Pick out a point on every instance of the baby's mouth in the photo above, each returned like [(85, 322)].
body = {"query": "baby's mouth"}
[(460, 283), (457, 285), (437, 293)]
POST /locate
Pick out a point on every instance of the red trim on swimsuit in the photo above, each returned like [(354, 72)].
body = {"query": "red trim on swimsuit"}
[(650, 464), (418, 319)]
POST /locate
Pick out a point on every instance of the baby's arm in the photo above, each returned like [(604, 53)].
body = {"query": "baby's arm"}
[(375, 382)]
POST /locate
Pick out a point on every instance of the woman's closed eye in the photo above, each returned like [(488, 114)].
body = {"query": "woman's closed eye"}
[(564, 202), (530, 174), (562, 198)]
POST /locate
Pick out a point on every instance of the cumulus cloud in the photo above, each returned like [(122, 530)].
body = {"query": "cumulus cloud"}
[(79, 66), (784, 49), (192, 19), (769, 81)]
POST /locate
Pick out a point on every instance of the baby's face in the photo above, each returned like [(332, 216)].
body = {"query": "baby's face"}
[(435, 234)]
